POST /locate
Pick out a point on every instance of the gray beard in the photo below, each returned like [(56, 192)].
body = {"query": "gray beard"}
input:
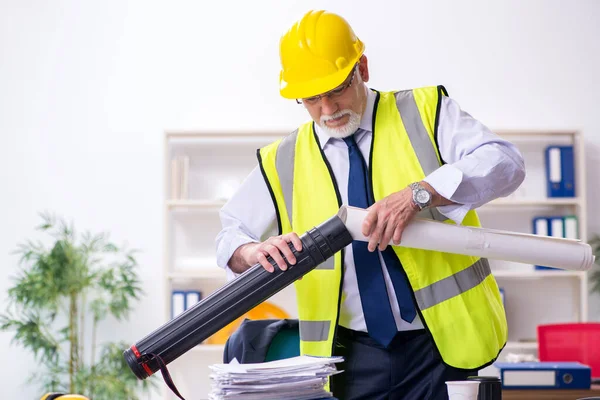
[(343, 131)]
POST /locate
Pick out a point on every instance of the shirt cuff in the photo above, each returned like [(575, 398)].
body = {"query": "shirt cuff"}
[(230, 274), (445, 180), (238, 240), (455, 212), (224, 255)]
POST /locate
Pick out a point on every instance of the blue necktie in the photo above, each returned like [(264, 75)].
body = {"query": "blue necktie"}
[(371, 284)]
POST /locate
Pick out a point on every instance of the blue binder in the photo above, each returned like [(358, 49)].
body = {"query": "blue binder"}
[(571, 225), (192, 297), (549, 226), (177, 303), (183, 300), (560, 171), (541, 226), (545, 375)]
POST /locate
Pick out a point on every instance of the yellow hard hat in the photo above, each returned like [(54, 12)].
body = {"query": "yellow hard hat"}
[(317, 54)]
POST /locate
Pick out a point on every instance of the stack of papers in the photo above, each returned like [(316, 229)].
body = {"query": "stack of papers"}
[(296, 378)]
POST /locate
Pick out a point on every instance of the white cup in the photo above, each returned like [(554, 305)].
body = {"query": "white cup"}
[(463, 390)]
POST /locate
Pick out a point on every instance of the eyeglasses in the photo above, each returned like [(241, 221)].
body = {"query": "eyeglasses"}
[(332, 94)]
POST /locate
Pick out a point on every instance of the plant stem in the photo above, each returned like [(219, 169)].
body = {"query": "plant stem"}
[(93, 358), (73, 334), (44, 330), (81, 357)]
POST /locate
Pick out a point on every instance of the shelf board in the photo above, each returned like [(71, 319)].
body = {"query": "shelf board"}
[(212, 348), (534, 132), (202, 204), (513, 345), (563, 201), (536, 274), (224, 138), (537, 135), (225, 134), (200, 273)]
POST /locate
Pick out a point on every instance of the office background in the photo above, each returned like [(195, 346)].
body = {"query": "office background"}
[(87, 90)]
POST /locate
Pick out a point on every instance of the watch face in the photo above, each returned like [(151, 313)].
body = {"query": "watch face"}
[(422, 196)]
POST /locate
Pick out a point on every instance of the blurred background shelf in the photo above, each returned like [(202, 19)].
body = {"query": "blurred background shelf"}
[(205, 273), (203, 170), (209, 348), (206, 204), (517, 346), (516, 202), (537, 296), (560, 274)]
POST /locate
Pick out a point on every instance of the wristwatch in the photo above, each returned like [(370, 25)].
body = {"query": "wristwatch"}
[(421, 196)]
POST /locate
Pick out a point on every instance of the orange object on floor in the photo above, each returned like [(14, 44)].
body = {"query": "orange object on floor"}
[(264, 310)]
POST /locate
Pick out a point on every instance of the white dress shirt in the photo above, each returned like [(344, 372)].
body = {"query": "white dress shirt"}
[(480, 166)]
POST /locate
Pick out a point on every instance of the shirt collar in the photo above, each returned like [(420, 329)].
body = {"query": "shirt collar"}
[(366, 122)]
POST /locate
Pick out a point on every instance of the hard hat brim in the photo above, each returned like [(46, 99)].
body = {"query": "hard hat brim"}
[(302, 90)]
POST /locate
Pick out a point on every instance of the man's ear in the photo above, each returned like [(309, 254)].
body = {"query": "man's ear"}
[(363, 68)]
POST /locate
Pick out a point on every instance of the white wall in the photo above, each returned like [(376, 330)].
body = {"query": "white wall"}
[(87, 88)]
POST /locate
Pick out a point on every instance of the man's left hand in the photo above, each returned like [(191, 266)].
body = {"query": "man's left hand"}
[(387, 219)]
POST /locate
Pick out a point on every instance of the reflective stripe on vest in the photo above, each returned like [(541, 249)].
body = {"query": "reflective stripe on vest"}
[(284, 162), (453, 285), (417, 134), (420, 141), (314, 331)]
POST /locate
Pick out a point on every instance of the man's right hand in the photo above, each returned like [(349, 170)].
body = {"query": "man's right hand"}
[(276, 246)]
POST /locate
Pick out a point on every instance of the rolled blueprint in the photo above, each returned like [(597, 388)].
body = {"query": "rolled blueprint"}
[(524, 248)]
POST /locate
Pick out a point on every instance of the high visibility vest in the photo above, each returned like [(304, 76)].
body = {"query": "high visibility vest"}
[(457, 297)]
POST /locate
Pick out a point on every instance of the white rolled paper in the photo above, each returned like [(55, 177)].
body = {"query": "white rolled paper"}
[(523, 248)]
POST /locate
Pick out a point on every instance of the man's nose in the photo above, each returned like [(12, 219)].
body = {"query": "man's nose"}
[(328, 107)]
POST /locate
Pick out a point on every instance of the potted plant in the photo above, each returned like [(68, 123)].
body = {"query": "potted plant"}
[(61, 293), (595, 274)]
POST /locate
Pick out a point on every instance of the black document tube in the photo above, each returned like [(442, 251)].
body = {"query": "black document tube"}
[(234, 299)]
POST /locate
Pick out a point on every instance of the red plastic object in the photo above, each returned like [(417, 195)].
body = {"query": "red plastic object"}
[(571, 342)]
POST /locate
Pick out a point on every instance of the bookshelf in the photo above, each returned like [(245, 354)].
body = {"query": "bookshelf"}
[(201, 171), (213, 164), (533, 296)]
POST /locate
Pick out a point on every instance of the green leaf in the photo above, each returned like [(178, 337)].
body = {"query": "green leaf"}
[(31, 333), (594, 276), (53, 378), (48, 221), (113, 378), (110, 248), (99, 308), (64, 334)]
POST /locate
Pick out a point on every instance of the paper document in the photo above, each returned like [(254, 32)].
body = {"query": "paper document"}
[(481, 242), (296, 378)]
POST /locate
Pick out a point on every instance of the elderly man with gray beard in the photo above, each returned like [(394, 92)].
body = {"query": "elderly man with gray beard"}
[(405, 320)]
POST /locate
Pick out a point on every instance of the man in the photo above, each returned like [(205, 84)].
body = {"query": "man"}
[(405, 320)]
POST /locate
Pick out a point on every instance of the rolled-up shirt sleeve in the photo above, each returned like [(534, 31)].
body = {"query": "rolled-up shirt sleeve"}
[(480, 165), (249, 216)]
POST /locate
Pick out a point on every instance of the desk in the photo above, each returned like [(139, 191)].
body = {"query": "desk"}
[(550, 394)]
